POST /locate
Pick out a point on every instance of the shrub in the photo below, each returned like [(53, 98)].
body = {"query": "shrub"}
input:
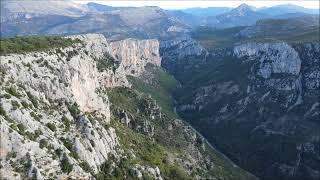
[(43, 143), (66, 122), (2, 111), (74, 155), (51, 126), (67, 144), (107, 62), (66, 167), (15, 105), (177, 173), (34, 43), (7, 96), (24, 104), (71, 54), (11, 90), (74, 110), (31, 135), (11, 154), (38, 132), (85, 166), (21, 127), (33, 100), (35, 116), (14, 127)]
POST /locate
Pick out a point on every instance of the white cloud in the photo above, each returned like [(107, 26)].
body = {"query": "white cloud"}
[(207, 3)]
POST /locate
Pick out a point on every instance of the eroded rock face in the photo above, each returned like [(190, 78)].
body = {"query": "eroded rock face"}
[(135, 54), (55, 113), (263, 100), (181, 47), (273, 57), (175, 52)]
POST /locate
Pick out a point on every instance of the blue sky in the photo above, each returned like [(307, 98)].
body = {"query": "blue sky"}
[(167, 4)]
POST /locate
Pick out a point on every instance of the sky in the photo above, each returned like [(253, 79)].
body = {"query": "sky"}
[(181, 4)]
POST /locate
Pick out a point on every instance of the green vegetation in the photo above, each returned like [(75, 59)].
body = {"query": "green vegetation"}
[(15, 104), (74, 110), (125, 98), (25, 104), (34, 43), (2, 111), (146, 151), (7, 96), (33, 100), (65, 165), (71, 54), (85, 166), (66, 123), (291, 30), (21, 127), (13, 91), (159, 84), (68, 144), (121, 170), (51, 126), (136, 103), (211, 38), (212, 73), (107, 62), (11, 154), (36, 116), (43, 143), (4, 115)]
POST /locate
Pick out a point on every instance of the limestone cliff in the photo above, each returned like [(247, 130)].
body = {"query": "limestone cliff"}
[(135, 54), (181, 51), (65, 82), (273, 57), (256, 100), (47, 97), (70, 112)]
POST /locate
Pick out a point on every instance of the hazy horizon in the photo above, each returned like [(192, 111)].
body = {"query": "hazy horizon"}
[(203, 4)]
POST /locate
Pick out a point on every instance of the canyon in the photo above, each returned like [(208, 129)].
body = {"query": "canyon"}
[(101, 92)]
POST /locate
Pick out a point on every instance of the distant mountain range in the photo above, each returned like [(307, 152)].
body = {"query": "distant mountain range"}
[(204, 12), (287, 8), (274, 10), (21, 18), (67, 17), (243, 15)]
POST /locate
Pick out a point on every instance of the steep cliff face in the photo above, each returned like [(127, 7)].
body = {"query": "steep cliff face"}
[(47, 99), (180, 52), (72, 113), (259, 103), (274, 57), (136, 54)]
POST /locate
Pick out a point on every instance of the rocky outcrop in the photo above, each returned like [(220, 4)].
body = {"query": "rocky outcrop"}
[(257, 100), (57, 93), (273, 57), (180, 52), (135, 54), (47, 94), (181, 47)]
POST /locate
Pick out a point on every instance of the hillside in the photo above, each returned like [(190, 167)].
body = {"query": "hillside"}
[(255, 97), (71, 112), (291, 30), (91, 91), (67, 17)]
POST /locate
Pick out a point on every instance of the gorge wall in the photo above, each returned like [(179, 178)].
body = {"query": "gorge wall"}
[(64, 114), (259, 103)]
